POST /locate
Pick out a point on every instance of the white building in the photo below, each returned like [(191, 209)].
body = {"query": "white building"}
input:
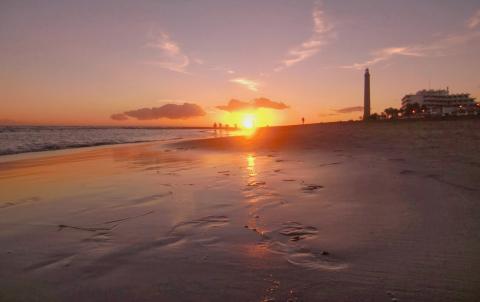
[(441, 102)]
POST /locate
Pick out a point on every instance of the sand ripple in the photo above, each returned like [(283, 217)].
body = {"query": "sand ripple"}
[(205, 222)]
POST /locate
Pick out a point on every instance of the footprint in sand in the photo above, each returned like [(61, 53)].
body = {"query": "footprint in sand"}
[(256, 183), (330, 164), (286, 241), (315, 260), (311, 188), (296, 231)]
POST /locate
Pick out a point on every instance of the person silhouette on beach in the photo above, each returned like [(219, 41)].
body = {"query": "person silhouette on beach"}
[(303, 121)]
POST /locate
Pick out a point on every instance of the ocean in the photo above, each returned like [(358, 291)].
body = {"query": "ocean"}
[(21, 139)]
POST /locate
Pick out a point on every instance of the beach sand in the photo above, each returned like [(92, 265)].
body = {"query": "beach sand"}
[(384, 211)]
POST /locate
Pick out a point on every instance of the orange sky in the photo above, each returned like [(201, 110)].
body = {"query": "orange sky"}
[(79, 63)]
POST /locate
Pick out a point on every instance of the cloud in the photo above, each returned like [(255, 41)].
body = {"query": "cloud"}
[(267, 103), (322, 33), (171, 56), (349, 109), (437, 48), (474, 21), (327, 114), (249, 84), (199, 61), (170, 111), (119, 117), (237, 105), (453, 40), (341, 111), (385, 54)]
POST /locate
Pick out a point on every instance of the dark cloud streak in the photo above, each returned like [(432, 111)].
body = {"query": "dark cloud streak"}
[(349, 109), (170, 111), (119, 117), (6, 122)]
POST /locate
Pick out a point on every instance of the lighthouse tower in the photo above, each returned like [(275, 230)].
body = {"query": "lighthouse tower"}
[(366, 96)]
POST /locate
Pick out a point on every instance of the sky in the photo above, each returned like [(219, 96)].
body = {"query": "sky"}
[(192, 63)]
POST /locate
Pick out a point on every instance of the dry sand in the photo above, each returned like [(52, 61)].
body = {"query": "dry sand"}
[(333, 212)]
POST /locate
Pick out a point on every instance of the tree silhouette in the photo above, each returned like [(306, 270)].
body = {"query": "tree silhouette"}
[(392, 113), (374, 117), (412, 109)]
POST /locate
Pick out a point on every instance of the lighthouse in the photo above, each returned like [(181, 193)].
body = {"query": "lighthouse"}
[(366, 96)]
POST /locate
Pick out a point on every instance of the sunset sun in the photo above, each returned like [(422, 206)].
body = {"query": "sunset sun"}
[(248, 121)]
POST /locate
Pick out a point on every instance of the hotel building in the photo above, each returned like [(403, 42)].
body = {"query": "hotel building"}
[(441, 102)]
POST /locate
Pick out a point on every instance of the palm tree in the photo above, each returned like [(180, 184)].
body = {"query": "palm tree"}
[(392, 113)]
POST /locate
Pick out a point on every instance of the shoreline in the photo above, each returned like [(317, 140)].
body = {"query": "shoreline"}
[(235, 140), (86, 147), (50, 146)]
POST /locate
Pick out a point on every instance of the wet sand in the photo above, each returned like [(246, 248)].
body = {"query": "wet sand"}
[(333, 212)]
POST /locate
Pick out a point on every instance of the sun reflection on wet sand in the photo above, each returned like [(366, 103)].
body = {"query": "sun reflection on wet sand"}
[(257, 250), (251, 165), (74, 174), (254, 195)]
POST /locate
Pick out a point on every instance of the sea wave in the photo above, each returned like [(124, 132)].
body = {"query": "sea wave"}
[(53, 147), (22, 139)]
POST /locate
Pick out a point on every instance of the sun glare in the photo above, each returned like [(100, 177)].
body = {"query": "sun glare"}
[(248, 121)]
